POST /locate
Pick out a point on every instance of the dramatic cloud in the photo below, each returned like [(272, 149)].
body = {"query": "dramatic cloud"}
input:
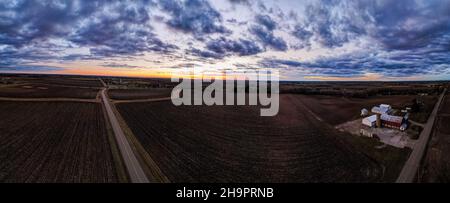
[(389, 64), (22, 22), (266, 21), (241, 47), (117, 28), (196, 16), (342, 38), (396, 24), (410, 24), (120, 29), (205, 54), (263, 30), (24, 68), (245, 2), (331, 23)]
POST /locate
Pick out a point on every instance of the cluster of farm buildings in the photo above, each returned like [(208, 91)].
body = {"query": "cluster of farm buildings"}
[(382, 117)]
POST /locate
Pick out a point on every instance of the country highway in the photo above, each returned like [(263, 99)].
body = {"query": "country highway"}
[(409, 171), (134, 169)]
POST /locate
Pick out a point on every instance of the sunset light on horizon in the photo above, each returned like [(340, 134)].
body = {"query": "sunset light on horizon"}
[(305, 40)]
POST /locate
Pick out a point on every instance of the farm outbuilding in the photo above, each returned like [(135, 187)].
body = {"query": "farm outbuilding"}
[(364, 112), (391, 121), (370, 121), (403, 127), (385, 106), (380, 110)]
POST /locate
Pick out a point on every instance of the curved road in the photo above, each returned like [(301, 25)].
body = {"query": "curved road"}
[(134, 169), (409, 171)]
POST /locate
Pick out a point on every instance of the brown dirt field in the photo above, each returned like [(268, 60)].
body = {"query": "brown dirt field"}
[(445, 109), (130, 94), (337, 110), (235, 144), (64, 81), (54, 142), (436, 167), (47, 91), (444, 125)]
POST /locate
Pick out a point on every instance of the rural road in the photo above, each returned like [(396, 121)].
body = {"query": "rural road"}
[(134, 169), (409, 171)]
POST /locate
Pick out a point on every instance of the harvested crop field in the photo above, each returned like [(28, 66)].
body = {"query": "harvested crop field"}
[(235, 144), (47, 91), (444, 124), (437, 162), (445, 106), (54, 142), (436, 165), (337, 110), (65, 81), (130, 94)]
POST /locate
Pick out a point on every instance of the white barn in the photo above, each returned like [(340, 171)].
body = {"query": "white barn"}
[(364, 112), (382, 109), (370, 121), (385, 106)]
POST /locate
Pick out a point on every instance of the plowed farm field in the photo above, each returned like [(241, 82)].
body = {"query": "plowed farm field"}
[(235, 144), (436, 165), (130, 94), (65, 81), (337, 110), (47, 91), (54, 142)]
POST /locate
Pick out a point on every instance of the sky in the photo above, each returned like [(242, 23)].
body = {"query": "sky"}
[(303, 39)]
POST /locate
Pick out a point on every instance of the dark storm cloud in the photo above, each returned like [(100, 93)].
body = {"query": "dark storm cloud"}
[(123, 29), (194, 16), (266, 21), (24, 21), (408, 37), (21, 68), (110, 28), (11, 56), (244, 2), (396, 25), (240, 47), (268, 38), (331, 23), (390, 64), (413, 36), (222, 47), (263, 30), (205, 53), (304, 35), (410, 24)]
